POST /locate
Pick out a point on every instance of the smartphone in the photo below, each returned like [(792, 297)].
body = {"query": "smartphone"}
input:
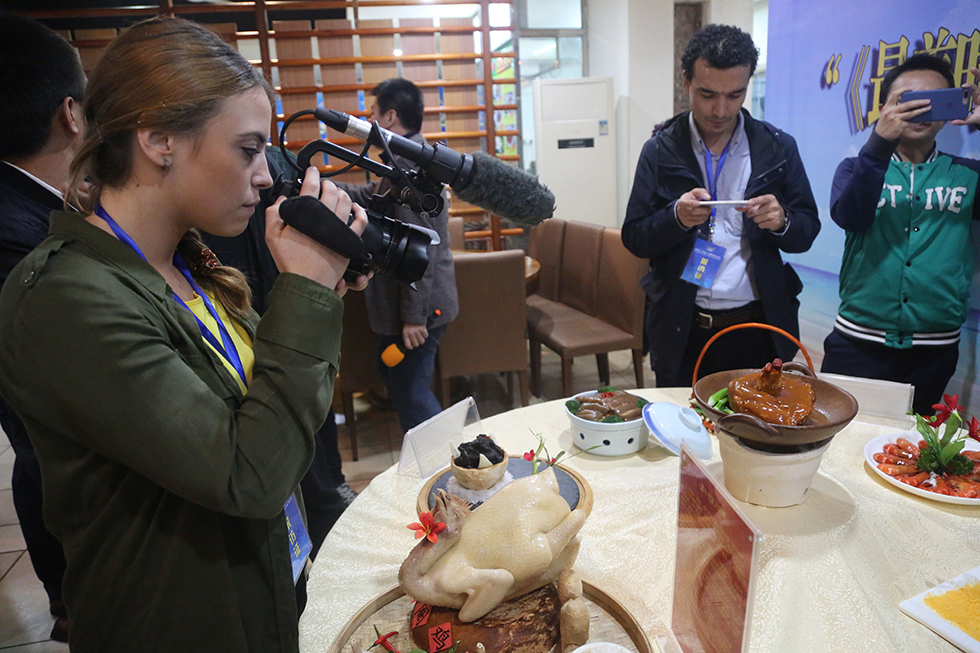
[(945, 104), (723, 203)]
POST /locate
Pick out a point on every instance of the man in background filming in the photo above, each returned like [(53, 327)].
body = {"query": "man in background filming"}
[(411, 320)]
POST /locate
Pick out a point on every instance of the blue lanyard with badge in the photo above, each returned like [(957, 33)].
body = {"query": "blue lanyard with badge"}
[(300, 544), (705, 259)]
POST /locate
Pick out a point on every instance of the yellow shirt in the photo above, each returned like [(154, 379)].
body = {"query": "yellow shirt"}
[(237, 332)]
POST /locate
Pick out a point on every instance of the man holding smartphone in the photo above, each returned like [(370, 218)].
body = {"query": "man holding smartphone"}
[(717, 196), (908, 259)]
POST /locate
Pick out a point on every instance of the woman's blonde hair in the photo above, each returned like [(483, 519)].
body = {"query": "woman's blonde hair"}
[(168, 74)]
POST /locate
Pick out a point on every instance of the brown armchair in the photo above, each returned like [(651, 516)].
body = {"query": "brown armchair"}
[(598, 305), (488, 334)]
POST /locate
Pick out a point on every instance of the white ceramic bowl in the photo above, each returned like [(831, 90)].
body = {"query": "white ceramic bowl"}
[(614, 438)]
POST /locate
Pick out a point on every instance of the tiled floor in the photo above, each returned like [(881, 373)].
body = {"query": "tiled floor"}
[(24, 620)]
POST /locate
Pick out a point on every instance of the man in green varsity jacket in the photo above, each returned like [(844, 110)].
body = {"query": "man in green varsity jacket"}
[(908, 258)]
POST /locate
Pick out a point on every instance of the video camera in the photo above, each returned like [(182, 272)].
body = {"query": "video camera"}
[(395, 249)]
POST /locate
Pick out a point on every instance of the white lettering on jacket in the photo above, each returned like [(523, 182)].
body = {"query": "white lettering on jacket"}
[(892, 188), (941, 197), (946, 198)]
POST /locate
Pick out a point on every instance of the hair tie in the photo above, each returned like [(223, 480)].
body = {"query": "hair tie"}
[(205, 263)]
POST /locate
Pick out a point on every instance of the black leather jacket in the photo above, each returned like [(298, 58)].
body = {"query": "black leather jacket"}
[(666, 170)]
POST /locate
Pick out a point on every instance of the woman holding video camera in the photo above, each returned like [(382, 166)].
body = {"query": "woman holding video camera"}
[(171, 425)]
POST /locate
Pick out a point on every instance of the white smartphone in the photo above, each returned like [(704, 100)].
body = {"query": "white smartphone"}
[(723, 203)]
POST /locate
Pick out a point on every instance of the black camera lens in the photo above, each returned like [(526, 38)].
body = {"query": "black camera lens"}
[(393, 249)]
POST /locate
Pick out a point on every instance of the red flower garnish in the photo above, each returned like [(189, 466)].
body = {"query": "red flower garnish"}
[(529, 456), (974, 427), (428, 528), (944, 410), (606, 394), (553, 461)]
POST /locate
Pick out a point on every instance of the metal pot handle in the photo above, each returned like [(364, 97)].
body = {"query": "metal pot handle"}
[(748, 426), (748, 325), (799, 368)]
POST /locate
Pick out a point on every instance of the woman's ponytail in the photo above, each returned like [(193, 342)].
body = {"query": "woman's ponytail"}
[(227, 284)]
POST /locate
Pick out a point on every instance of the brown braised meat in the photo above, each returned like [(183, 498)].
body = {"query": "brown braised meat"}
[(603, 404), (771, 396)]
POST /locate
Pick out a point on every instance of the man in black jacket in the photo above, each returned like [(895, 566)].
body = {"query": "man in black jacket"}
[(40, 128), (714, 266)]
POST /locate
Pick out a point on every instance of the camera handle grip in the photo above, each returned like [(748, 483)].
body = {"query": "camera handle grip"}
[(309, 216)]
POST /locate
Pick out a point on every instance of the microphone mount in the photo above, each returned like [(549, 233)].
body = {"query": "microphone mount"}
[(412, 188)]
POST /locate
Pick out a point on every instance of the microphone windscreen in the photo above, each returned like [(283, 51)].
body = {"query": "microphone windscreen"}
[(392, 355), (506, 191)]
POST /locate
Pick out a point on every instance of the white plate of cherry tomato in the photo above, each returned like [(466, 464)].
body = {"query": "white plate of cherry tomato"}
[(877, 446)]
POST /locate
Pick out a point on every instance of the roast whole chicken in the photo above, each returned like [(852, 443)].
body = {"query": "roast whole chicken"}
[(519, 540), (772, 396)]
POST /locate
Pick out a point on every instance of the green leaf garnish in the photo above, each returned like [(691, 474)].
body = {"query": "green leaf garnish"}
[(573, 406), (942, 454), (611, 419), (606, 388)]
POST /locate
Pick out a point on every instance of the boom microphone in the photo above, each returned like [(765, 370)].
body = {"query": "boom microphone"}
[(477, 178)]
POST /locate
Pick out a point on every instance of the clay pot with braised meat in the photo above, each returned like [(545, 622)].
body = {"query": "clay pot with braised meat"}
[(772, 396)]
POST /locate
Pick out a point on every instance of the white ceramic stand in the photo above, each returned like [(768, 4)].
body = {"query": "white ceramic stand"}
[(776, 480)]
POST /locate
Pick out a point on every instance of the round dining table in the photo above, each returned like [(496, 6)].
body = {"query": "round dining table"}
[(831, 571)]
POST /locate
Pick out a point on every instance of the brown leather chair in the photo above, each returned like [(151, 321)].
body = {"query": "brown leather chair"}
[(358, 349), (620, 303), (488, 334), (599, 307), (545, 245)]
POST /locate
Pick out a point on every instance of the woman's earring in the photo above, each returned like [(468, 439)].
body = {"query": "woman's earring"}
[(166, 163)]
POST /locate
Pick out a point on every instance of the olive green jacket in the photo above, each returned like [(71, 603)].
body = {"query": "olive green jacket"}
[(165, 485)]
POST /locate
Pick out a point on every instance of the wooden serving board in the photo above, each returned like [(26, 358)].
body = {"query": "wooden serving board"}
[(610, 622)]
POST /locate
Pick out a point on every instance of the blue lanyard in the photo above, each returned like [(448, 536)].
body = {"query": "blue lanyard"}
[(712, 175), (226, 347)]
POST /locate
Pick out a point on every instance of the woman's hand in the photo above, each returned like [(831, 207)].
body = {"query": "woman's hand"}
[(299, 254)]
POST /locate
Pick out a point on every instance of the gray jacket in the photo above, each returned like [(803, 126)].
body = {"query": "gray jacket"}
[(391, 304)]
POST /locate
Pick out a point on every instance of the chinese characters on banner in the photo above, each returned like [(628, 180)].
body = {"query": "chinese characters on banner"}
[(962, 50)]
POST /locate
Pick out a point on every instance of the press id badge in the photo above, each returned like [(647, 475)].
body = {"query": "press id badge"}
[(300, 544), (703, 265)]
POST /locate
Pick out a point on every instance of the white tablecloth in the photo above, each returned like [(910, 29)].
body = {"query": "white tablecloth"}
[(833, 570)]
